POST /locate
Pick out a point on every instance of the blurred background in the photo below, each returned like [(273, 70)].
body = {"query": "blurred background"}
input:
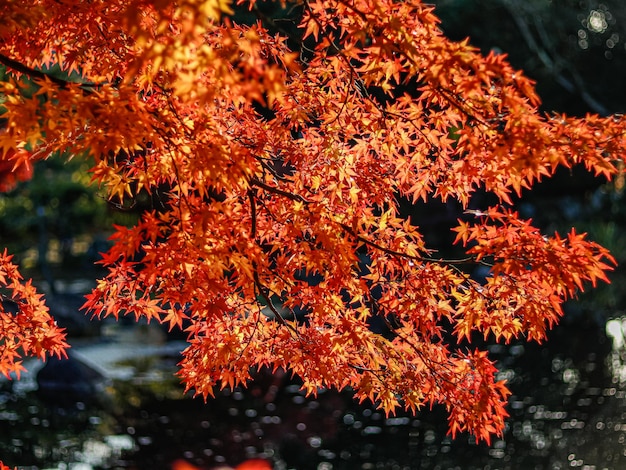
[(117, 404)]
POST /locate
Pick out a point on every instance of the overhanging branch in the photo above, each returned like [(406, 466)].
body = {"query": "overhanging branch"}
[(38, 74)]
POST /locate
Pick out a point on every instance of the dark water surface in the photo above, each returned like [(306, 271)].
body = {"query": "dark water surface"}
[(567, 411)]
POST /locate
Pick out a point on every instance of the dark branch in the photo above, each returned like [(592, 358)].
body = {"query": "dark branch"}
[(275, 190), (389, 251), (38, 74)]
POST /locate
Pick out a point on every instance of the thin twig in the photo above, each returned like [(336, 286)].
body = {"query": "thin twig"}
[(275, 190)]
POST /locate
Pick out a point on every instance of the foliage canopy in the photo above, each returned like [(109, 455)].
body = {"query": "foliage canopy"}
[(279, 157)]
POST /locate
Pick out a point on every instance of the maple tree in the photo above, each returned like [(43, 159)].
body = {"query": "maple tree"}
[(280, 159)]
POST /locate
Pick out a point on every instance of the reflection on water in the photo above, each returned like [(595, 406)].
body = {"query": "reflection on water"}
[(33, 433), (567, 411)]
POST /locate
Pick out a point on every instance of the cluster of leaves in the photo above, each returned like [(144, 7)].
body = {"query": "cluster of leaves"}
[(26, 327), (282, 161), (14, 168)]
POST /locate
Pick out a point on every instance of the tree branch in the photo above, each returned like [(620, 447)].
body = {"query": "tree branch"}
[(389, 251), (38, 74), (275, 190)]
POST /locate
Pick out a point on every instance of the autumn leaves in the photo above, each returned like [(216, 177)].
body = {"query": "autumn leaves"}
[(283, 158)]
